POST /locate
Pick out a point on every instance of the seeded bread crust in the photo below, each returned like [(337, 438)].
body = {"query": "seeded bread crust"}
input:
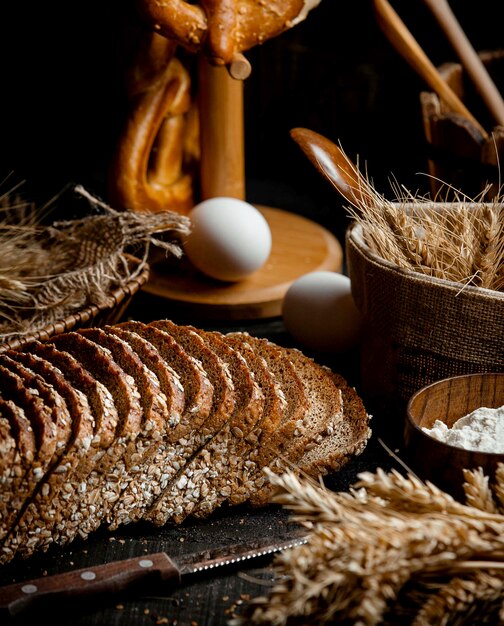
[(213, 460), (7, 446), (242, 452), (113, 469), (274, 451), (154, 407), (32, 528), (78, 500), (12, 387), (15, 476), (198, 391)]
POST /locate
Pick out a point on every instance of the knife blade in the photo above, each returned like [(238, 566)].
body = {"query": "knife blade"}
[(131, 574)]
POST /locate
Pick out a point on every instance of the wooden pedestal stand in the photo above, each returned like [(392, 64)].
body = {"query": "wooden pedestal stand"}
[(299, 245)]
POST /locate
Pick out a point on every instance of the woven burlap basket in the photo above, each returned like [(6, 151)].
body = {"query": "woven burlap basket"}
[(418, 329)]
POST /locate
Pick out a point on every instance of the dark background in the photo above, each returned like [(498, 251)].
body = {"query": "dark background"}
[(63, 100)]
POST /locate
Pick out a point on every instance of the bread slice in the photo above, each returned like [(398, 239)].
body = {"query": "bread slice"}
[(113, 469), (193, 481), (274, 449), (18, 466), (222, 403), (168, 379), (76, 503), (323, 418), (198, 389), (31, 528), (239, 453), (8, 445), (348, 440), (198, 392), (13, 388), (154, 407)]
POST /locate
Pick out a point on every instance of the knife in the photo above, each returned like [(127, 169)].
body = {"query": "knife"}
[(130, 574)]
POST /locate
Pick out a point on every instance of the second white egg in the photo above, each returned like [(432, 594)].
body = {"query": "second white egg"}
[(319, 312), (230, 239)]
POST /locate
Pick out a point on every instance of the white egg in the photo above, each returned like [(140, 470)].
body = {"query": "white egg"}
[(229, 240), (318, 310)]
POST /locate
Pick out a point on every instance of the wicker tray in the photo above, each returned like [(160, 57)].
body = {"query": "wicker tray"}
[(93, 315)]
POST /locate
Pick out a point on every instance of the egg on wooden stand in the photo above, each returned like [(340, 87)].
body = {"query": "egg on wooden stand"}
[(318, 310), (230, 239)]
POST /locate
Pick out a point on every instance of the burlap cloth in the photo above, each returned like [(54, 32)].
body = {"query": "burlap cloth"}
[(419, 329)]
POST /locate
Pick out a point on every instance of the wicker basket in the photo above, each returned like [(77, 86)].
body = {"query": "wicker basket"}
[(419, 329), (93, 315)]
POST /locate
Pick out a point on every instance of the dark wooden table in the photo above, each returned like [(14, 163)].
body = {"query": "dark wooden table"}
[(209, 599)]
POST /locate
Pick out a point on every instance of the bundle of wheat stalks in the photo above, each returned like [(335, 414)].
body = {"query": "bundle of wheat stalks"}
[(393, 550), (461, 240)]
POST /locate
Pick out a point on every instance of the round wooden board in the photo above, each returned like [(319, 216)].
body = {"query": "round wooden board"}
[(299, 246)]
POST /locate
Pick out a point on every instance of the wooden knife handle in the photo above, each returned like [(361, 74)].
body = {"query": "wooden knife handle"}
[(109, 578)]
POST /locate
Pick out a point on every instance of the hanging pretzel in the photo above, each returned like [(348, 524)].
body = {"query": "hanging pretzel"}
[(223, 28), (152, 168)]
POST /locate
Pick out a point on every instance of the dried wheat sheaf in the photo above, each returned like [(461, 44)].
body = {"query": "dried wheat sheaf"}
[(49, 272), (461, 240), (392, 550)]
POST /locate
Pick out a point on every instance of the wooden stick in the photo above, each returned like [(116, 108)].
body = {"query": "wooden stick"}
[(404, 42), (469, 57), (220, 101), (240, 67)]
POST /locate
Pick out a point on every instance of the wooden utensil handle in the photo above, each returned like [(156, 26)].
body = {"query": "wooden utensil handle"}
[(114, 577), (404, 42), (469, 57)]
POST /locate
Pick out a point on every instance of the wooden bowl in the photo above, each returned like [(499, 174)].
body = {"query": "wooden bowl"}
[(448, 400)]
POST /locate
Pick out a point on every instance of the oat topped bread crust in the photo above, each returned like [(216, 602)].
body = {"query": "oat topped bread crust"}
[(78, 500), (32, 527), (198, 389), (18, 429), (239, 456), (194, 487), (114, 467), (12, 387)]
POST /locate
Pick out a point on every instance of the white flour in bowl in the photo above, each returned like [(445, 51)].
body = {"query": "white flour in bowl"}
[(481, 431)]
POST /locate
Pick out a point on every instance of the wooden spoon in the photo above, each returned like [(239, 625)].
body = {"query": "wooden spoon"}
[(332, 163), (475, 68), (404, 42)]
